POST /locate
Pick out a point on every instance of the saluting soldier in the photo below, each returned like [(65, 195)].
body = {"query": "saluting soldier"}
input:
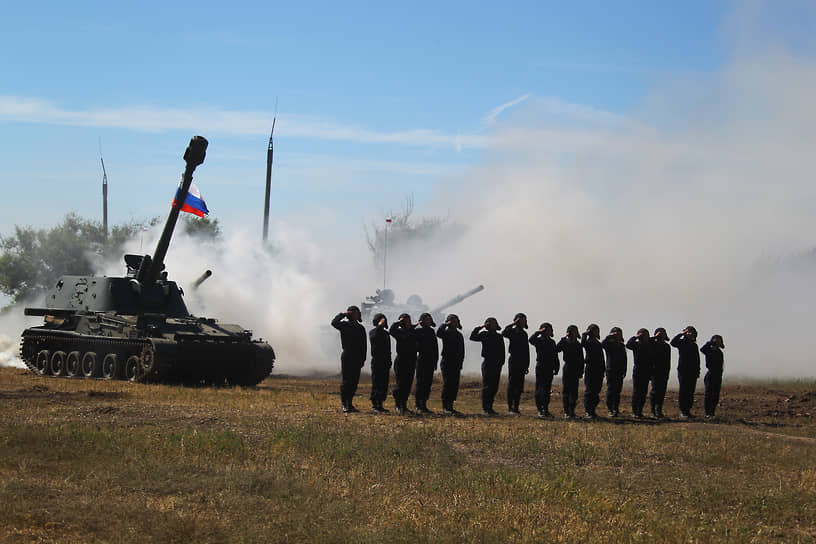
[(518, 365), (641, 347), (546, 367), (572, 353), (352, 358), (427, 361), (405, 362), (688, 368), (713, 378), (380, 362), (593, 369), (661, 360), (616, 361), (492, 360), (453, 355)]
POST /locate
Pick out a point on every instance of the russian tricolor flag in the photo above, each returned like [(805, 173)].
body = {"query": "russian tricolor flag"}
[(193, 204)]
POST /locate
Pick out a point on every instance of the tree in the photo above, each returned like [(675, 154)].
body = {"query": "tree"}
[(404, 231), (201, 227)]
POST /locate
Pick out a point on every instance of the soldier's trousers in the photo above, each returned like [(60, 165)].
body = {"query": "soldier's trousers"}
[(685, 393), (660, 381), (593, 383), (380, 374), (713, 384), (404, 368), (424, 378), (614, 385), (451, 373), (515, 385), (570, 379), (491, 375), (543, 388), (640, 388), (349, 378)]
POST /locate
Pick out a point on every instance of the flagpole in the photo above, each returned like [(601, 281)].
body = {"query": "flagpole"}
[(385, 253)]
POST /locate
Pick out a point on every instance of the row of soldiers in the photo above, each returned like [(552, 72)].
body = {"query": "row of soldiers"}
[(584, 355)]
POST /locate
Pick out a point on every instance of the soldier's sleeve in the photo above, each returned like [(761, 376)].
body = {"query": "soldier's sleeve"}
[(337, 322), (475, 335)]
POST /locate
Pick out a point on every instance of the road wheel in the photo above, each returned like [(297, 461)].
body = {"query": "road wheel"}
[(89, 365), (148, 360), (72, 367), (58, 363), (110, 366), (43, 361), (133, 368)]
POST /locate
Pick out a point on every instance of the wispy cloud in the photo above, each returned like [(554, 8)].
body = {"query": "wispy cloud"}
[(152, 119), (490, 118)]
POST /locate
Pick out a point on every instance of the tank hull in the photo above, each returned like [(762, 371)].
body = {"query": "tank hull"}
[(192, 359)]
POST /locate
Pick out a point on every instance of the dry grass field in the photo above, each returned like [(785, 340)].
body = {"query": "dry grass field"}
[(95, 461)]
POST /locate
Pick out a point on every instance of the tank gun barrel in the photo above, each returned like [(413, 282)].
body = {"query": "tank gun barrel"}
[(202, 278), (193, 156), (457, 299)]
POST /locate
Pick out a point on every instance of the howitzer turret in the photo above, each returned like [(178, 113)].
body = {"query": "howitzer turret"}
[(137, 327)]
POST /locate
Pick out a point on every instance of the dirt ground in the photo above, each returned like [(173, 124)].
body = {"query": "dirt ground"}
[(778, 408)]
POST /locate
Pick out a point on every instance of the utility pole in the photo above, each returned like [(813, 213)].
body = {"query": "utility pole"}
[(385, 252), (269, 154), (104, 198)]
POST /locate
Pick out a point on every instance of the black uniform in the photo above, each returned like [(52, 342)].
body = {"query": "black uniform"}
[(713, 378), (593, 372), (380, 364), (661, 359), (353, 341), (573, 356), (453, 355), (492, 363), (546, 368), (428, 347), (616, 363), (518, 364), (404, 362), (641, 372), (688, 370)]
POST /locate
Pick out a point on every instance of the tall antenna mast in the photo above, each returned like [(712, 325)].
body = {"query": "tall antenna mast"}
[(104, 192), (269, 154)]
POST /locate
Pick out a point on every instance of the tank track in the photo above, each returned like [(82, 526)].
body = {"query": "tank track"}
[(57, 353)]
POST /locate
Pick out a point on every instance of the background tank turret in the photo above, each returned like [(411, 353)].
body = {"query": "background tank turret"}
[(137, 327), (384, 302)]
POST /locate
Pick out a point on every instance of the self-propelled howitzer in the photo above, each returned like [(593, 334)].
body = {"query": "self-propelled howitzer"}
[(137, 327)]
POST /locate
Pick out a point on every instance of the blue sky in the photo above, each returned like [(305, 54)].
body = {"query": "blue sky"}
[(376, 100)]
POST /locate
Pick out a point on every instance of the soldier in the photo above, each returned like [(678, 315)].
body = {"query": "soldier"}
[(453, 355), (405, 362), (615, 369), (518, 364), (492, 360), (661, 359), (640, 344), (380, 362), (428, 347), (713, 378), (594, 369), (546, 367), (353, 341), (688, 368), (573, 356)]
